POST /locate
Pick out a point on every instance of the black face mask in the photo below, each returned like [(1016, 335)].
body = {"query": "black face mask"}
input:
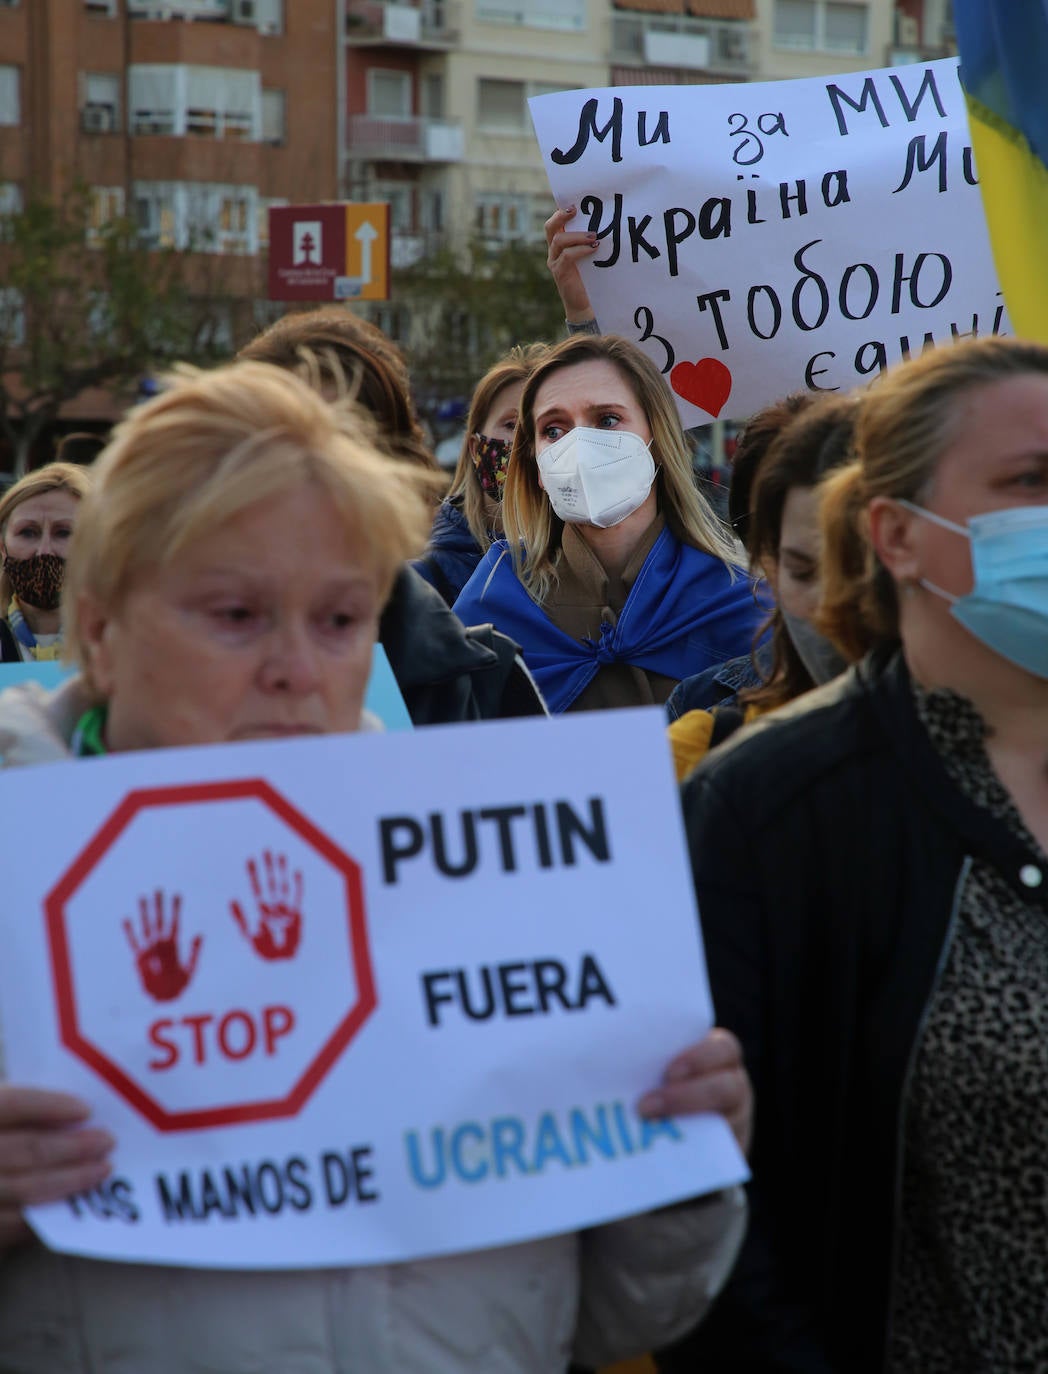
[(37, 581)]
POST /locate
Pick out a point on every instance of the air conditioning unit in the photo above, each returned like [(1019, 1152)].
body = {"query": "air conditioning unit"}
[(97, 119)]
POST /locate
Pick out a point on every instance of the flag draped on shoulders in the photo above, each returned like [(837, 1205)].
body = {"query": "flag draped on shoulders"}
[(1004, 72), (685, 612)]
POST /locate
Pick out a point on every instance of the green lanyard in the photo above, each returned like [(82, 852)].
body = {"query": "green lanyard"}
[(89, 735)]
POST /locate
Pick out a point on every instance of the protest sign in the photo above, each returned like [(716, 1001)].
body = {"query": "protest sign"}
[(362, 998), (383, 698), (761, 239)]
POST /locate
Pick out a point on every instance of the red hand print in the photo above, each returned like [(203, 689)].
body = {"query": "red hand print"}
[(279, 928), (163, 975)]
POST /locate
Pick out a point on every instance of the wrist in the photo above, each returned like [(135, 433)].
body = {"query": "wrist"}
[(582, 324)]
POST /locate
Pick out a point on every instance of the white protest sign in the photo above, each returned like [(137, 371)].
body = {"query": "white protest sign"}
[(364, 998), (760, 239)]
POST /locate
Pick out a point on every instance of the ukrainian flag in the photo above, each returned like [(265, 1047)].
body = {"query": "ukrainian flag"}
[(1004, 72)]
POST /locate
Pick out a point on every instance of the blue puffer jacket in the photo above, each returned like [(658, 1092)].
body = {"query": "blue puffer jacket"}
[(451, 554)]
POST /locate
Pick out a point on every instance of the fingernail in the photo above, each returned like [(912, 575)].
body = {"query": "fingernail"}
[(652, 1104), (569, 209)]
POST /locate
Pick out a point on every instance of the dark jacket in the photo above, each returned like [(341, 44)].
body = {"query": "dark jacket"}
[(8, 644), (718, 686), (446, 672), (829, 849), (452, 553)]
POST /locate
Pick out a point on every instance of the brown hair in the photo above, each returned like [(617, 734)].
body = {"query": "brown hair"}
[(816, 441), (753, 443), (511, 370), (534, 531), (52, 477), (335, 347), (906, 422)]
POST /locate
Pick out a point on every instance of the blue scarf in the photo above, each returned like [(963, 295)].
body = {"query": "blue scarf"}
[(683, 614)]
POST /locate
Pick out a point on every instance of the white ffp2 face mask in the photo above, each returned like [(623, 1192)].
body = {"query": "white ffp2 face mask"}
[(597, 476)]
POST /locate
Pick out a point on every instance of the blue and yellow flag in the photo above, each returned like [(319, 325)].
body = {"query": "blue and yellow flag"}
[(1004, 71)]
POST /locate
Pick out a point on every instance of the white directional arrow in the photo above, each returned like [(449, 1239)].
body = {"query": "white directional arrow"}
[(365, 236)]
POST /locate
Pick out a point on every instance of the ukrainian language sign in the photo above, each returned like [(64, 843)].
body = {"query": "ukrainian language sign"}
[(365, 998), (762, 239)]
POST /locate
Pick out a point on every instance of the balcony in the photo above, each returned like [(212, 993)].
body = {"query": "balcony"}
[(432, 24), (669, 40), (405, 140)]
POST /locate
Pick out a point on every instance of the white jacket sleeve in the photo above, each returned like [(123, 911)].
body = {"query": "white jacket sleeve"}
[(646, 1280)]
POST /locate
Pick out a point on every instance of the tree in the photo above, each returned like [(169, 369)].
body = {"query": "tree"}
[(82, 306), (469, 308)]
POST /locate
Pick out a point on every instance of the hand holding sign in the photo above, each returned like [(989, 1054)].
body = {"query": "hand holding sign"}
[(163, 975), (42, 1158)]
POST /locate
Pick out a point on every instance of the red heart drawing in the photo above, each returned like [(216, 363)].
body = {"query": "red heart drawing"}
[(706, 384)]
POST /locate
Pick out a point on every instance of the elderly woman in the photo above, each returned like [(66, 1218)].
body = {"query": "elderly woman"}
[(37, 515), (226, 584), (876, 920), (616, 578)]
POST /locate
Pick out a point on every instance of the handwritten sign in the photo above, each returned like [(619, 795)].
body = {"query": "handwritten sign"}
[(763, 239), (361, 999)]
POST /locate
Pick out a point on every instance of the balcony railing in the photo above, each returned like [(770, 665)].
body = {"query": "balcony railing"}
[(429, 24), (681, 41), (405, 140)]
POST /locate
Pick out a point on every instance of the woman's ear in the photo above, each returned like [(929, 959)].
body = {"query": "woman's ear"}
[(94, 626), (895, 536)]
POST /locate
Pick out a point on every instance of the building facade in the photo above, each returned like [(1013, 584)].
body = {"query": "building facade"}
[(190, 116)]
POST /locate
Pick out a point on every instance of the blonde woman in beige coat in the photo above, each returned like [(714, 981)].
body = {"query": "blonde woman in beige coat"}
[(225, 583)]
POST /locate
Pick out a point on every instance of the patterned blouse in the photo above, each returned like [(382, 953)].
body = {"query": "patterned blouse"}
[(971, 1282)]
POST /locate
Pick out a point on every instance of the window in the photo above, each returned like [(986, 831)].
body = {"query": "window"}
[(10, 95), (101, 7), (209, 102), (100, 111), (389, 94), (206, 217), (500, 106), (10, 198), (107, 204), (274, 116), (837, 26), (503, 217), (401, 198), (535, 14), (433, 95), (12, 318), (431, 211), (263, 218)]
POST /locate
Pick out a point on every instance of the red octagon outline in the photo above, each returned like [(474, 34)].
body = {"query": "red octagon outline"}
[(61, 970)]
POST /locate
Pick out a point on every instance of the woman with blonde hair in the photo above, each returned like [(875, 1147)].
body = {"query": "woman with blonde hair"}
[(37, 515), (470, 517), (226, 584), (615, 577), (876, 921)]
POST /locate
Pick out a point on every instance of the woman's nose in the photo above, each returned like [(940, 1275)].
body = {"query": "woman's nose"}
[(292, 663)]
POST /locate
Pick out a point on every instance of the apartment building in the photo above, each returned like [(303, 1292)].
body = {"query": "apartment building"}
[(823, 37), (438, 120), (193, 116)]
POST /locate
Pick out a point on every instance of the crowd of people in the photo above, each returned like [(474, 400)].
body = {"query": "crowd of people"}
[(855, 674)]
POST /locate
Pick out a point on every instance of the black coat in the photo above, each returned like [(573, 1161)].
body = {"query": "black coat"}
[(446, 672), (829, 848)]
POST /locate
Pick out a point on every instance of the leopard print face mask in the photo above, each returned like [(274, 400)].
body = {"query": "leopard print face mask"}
[(37, 581)]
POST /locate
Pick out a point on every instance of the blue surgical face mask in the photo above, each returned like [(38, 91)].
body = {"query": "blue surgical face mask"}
[(1007, 607)]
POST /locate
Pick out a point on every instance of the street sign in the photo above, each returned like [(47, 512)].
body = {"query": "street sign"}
[(337, 252), (257, 1005)]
